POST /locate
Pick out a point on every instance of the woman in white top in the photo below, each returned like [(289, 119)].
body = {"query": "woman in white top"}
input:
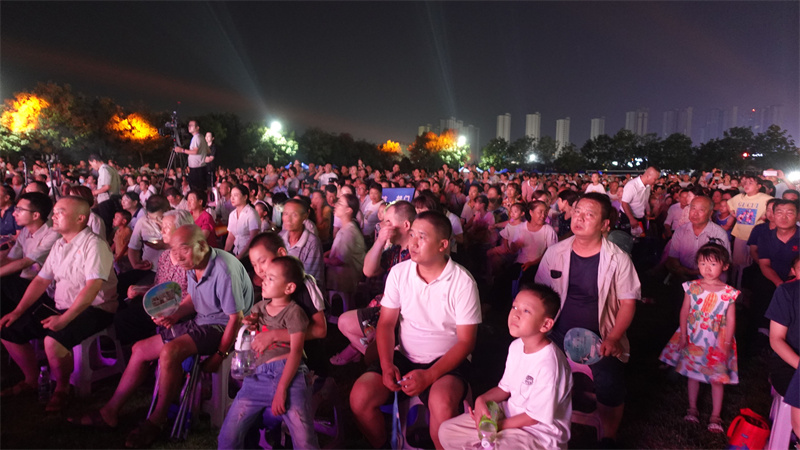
[(535, 237), (345, 260), (243, 222)]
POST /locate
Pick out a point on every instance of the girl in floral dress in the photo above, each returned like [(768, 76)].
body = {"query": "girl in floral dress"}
[(703, 348)]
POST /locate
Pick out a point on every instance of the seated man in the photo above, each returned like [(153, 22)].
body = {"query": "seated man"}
[(599, 287), (220, 292), (301, 243), (30, 250), (80, 267), (436, 303), (691, 236)]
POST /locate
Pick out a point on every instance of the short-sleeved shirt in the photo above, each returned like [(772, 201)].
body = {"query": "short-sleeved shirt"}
[(674, 214), (455, 223), (291, 318), (747, 211), (8, 225), (779, 253), (206, 223), (146, 229), (393, 256), (756, 233), (308, 249), (540, 386), (785, 310), (240, 224), (636, 194), (370, 213), (580, 306), (599, 188), (107, 176), (535, 243), (71, 264), (430, 312), (198, 160), (223, 290), (685, 243), (34, 246)]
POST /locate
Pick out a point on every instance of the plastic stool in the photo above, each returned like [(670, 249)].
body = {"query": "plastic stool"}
[(220, 402), (591, 418), (91, 366), (347, 304), (781, 430), (405, 407)]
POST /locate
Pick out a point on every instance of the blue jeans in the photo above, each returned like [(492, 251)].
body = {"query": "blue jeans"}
[(254, 403)]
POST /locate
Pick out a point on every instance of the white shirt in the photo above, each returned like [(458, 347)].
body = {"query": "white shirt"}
[(430, 312), (534, 243), (540, 385), (144, 195), (636, 194), (674, 214), (71, 265), (370, 213), (107, 176), (97, 225), (599, 188), (35, 247), (325, 178), (146, 229), (455, 222), (240, 224), (684, 244)]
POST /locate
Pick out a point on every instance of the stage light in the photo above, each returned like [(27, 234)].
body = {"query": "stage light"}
[(275, 126)]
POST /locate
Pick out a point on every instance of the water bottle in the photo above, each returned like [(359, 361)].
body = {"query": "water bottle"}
[(368, 331), (44, 385), (243, 363), (487, 427)]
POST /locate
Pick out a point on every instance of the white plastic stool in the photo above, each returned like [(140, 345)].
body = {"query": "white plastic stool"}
[(781, 430), (220, 402), (591, 419), (347, 303), (405, 406), (91, 366)]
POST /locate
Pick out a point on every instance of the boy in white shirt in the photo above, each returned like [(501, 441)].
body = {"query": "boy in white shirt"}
[(535, 393)]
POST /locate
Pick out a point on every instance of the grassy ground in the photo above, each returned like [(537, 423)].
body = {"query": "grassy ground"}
[(655, 406)]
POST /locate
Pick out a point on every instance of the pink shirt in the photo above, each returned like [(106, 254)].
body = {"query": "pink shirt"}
[(206, 223)]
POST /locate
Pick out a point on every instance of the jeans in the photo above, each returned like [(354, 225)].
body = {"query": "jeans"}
[(254, 402)]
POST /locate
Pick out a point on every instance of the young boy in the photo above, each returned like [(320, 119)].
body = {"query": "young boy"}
[(535, 392), (122, 236), (278, 390)]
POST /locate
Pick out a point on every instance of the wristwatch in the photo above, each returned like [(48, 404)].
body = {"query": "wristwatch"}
[(223, 354)]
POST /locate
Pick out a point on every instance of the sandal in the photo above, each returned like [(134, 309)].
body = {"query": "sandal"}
[(715, 425), (144, 435), (21, 388), (346, 356), (91, 420), (691, 416), (58, 401)]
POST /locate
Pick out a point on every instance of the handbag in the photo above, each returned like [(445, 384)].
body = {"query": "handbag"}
[(748, 431)]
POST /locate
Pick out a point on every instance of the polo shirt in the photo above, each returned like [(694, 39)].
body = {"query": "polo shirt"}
[(224, 289), (785, 310), (685, 243), (636, 194), (34, 246), (780, 254), (308, 249), (107, 176), (430, 312), (71, 264)]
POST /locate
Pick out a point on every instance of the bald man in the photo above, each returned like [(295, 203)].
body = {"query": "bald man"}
[(635, 199), (80, 265), (220, 293), (691, 236)]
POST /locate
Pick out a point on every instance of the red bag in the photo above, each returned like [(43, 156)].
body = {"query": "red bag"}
[(748, 431)]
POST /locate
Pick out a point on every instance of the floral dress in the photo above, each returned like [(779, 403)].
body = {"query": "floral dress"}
[(701, 359)]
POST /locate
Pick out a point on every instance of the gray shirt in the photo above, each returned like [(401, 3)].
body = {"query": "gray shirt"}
[(223, 290), (198, 160)]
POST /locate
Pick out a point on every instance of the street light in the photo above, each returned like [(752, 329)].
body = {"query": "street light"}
[(275, 126), (462, 140)]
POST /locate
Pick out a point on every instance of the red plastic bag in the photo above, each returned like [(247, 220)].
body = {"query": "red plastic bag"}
[(748, 431)]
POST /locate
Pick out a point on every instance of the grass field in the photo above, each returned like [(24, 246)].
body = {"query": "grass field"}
[(655, 406)]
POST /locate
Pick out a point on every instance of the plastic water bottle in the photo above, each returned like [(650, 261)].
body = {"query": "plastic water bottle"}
[(487, 427), (368, 331), (243, 363), (44, 385)]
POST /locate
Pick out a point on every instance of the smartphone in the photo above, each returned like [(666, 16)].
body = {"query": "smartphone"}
[(770, 173), (43, 311)]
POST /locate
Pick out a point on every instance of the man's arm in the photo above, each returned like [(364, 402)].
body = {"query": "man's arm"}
[(769, 272), (384, 338), (83, 300), (777, 340), (32, 293), (626, 208), (611, 345), (15, 265), (419, 380), (226, 343), (372, 260)]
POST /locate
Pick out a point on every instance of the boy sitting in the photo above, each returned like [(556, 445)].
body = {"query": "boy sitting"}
[(122, 237), (279, 386), (535, 393)]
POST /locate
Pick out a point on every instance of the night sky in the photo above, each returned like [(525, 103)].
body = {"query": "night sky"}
[(380, 70)]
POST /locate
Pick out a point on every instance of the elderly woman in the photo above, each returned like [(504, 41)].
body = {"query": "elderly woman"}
[(196, 203), (345, 260), (243, 222), (132, 322)]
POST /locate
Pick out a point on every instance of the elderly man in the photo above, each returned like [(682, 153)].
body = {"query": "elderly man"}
[(691, 236), (301, 243), (636, 197), (220, 293), (80, 266), (599, 287)]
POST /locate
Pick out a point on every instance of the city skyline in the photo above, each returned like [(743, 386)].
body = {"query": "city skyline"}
[(378, 70)]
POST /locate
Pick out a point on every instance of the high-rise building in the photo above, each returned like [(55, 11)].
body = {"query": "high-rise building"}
[(714, 125), (598, 127), (422, 129), (636, 121), (685, 121), (504, 126), (533, 125), (451, 124), (473, 135), (562, 133), (670, 123), (730, 118)]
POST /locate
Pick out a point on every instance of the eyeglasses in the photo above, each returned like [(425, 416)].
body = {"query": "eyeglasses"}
[(24, 209)]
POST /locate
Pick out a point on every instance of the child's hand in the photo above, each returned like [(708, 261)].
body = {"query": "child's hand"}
[(724, 349), (682, 342), (251, 320), (262, 341), (279, 402), (480, 410)]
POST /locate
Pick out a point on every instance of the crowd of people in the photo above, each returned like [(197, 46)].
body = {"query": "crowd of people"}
[(263, 246)]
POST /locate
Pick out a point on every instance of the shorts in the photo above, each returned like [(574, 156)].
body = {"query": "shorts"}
[(608, 374), (205, 337), (405, 365), (91, 321)]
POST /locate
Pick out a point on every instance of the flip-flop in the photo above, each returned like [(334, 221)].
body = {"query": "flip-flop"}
[(715, 425), (144, 435), (91, 420), (21, 388), (691, 416), (58, 401)]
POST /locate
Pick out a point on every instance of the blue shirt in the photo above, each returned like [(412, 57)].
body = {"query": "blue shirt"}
[(7, 223), (779, 253), (223, 290)]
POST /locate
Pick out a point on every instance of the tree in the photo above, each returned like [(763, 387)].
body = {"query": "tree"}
[(776, 146), (495, 153), (673, 153), (570, 160)]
